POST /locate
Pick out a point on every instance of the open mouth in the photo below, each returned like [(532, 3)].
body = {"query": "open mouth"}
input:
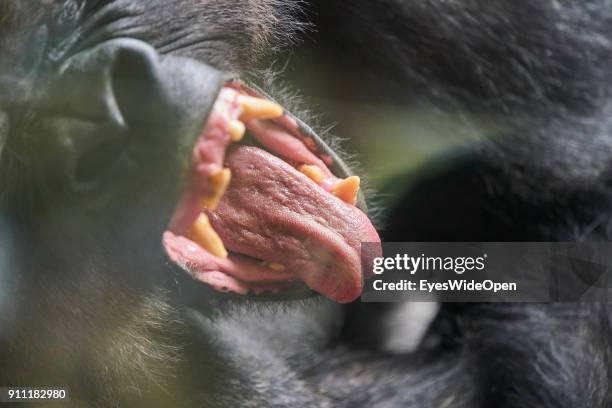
[(262, 211)]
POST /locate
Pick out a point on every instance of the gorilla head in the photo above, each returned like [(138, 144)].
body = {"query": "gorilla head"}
[(148, 162), (128, 123)]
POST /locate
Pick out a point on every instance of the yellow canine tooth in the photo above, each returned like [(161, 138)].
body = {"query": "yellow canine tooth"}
[(204, 235), (275, 266), (236, 130), (313, 172), (219, 180), (258, 108), (347, 189)]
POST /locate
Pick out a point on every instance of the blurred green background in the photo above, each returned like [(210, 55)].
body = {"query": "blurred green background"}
[(390, 131)]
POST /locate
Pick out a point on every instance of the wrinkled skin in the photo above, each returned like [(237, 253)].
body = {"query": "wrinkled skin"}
[(88, 299)]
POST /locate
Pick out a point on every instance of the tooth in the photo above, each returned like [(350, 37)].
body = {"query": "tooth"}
[(204, 235), (236, 130), (313, 172), (257, 108), (219, 181), (275, 266), (347, 189)]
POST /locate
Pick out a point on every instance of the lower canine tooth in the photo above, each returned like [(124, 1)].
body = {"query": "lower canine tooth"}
[(257, 108), (313, 172), (219, 181), (236, 130), (347, 189), (205, 236)]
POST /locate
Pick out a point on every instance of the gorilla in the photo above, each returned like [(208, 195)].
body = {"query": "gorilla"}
[(178, 229)]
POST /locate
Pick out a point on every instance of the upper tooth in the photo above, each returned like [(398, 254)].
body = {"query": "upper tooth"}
[(347, 189), (218, 181), (275, 266), (204, 235), (258, 108), (313, 172), (236, 130)]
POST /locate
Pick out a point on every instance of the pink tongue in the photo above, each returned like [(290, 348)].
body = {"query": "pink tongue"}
[(273, 212)]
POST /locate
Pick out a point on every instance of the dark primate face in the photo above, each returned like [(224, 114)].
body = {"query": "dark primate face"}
[(122, 124), (118, 140), (149, 163)]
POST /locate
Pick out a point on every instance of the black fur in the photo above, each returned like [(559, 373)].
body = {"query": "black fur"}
[(78, 312)]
